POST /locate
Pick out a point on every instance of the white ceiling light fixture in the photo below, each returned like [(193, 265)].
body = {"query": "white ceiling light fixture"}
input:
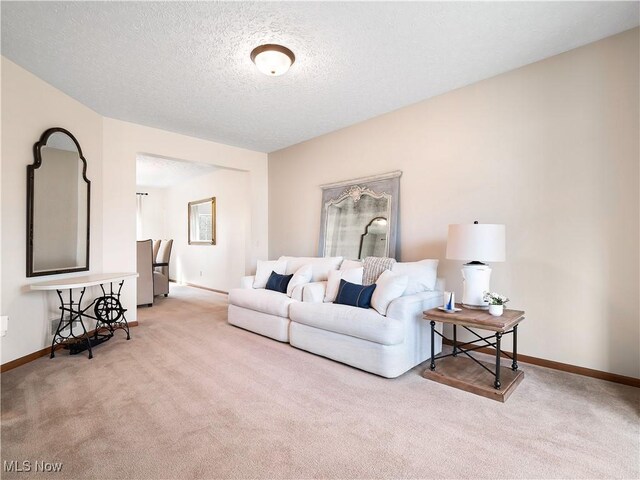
[(272, 59)]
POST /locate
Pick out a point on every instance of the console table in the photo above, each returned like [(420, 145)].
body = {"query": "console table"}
[(107, 310), (463, 372)]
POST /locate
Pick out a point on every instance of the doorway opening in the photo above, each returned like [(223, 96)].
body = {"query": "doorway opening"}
[(165, 188)]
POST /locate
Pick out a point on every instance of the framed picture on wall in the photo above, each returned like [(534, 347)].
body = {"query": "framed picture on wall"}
[(202, 222)]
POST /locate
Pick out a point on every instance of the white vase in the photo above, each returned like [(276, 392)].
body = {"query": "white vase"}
[(496, 310)]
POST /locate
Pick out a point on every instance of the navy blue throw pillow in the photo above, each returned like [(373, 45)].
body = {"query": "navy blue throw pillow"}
[(278, 283), (355, 295)]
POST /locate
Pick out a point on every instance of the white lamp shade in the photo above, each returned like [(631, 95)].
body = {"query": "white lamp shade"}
[(272, 62), (476, 242)]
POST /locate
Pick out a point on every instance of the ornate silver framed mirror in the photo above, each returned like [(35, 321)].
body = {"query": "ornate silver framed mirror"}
[(359, 217), (58, 206)]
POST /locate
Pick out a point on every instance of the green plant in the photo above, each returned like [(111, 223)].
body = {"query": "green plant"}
[(494, 298)]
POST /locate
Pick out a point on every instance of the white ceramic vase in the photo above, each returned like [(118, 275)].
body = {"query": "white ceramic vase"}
[(496, 310)]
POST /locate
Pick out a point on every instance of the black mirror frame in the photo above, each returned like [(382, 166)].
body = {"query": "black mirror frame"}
[(37, 161)]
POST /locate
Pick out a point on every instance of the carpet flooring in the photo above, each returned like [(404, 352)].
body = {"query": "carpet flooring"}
[(190, 396)]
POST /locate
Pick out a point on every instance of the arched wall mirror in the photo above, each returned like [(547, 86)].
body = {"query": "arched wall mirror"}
[(58, 201), (359, 217)]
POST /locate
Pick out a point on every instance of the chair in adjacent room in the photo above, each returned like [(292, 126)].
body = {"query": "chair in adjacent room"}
[(144, 260), (156, 247), (161, 269)]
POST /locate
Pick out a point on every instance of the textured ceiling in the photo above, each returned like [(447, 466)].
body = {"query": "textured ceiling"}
[(185, 66), (153, 171)]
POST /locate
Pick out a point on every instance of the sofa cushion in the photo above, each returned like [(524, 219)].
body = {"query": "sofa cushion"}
[(366, 324), (354, 295), (259, 300), (407, 305), (353, 275), (314, 292), (422, 275), (320, 265), (389, 287), (278, 283), (264, 269), (348, 264), (300, 277)]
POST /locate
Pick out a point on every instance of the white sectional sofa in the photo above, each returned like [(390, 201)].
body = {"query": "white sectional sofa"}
[(387, 345), (267, 312), (261, 311)]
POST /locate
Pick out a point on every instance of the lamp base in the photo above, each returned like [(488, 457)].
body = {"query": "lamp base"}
[(475, 281)]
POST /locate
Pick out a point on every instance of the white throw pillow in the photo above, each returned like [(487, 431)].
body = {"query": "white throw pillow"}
[(352, 275), (422, 275), (346, 264), (264, 269), (320, 265), (389, 286), (300, 277)]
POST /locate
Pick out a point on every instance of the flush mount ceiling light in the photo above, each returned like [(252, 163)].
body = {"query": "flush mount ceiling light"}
[(272, 59)]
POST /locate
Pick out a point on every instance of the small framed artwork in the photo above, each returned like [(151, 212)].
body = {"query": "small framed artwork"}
[(202, 222)]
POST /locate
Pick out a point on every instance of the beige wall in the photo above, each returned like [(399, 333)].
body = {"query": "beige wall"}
[(29, 107), (123, 141), (218, 266), (153, 212), (550, 150)]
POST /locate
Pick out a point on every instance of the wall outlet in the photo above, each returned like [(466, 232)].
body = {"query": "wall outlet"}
[(4, 325), (201, 273)]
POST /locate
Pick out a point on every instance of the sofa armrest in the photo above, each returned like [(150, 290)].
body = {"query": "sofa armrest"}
[(296, 294), (247, 282), (440, 284), (410, 307), (314, 292), (417, 330)]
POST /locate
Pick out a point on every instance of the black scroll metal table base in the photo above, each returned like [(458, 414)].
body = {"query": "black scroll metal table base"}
[(107, 312), (459, 348)]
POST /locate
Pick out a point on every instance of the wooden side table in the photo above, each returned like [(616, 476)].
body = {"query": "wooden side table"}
[(462, 372)]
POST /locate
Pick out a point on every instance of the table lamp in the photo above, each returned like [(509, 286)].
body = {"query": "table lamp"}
[(476, 243)]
